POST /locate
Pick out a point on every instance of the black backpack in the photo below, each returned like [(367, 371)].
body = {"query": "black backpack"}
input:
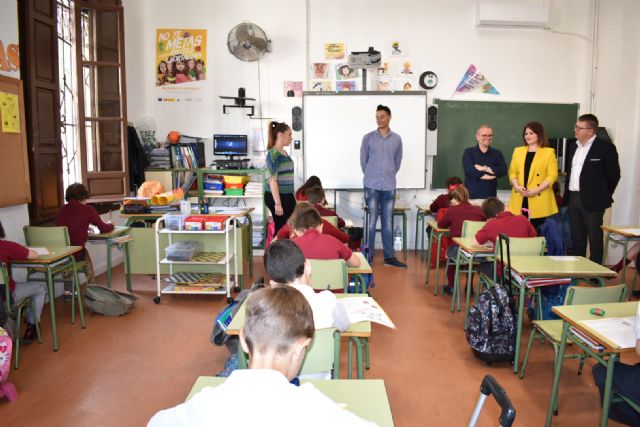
[(491, 329)]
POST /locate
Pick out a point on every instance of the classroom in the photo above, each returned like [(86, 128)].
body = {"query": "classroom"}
[(581, 57)]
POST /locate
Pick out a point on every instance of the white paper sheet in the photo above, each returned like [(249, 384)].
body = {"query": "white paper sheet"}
[(618, 330), (360, 309), (563, 258), (40, 251)]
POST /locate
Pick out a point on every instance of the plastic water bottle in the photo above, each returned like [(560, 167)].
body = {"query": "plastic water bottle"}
[(397, 239)]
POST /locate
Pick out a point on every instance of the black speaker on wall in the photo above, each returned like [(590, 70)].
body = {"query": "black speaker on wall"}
[(432, 130), (296, 119)]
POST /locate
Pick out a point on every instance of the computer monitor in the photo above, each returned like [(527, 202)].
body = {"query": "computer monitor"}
[(229, 145)]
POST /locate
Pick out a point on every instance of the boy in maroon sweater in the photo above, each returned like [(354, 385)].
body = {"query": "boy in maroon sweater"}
[(315, 196), (500, 221), (76, 215), (459, 212), (315, 245), (442, 201)]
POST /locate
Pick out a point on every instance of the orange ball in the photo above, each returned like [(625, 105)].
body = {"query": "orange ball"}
[(173, 137)]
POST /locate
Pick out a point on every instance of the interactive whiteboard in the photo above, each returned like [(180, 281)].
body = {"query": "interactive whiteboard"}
[(333, 127)]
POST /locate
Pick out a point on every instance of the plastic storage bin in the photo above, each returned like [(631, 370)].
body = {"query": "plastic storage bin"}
[(234, 191), (193, 223), (183, 250), (213, 185), (236, 179), (215, 222), (174, 221)]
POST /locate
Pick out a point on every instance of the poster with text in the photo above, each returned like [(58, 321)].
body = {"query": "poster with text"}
[(181, 56)]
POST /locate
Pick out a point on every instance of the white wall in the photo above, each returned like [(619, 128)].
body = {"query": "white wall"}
[(524, 65)]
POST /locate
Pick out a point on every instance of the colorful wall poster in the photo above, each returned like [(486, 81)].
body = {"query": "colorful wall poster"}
[(295, 87), (344, 72), (334, 50), (320, 70), (407, 68), (346, 86), (322, 85), (405, 85), (383, 84), (181, 56)]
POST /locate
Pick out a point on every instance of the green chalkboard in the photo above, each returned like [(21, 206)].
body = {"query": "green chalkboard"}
[(458, 122)]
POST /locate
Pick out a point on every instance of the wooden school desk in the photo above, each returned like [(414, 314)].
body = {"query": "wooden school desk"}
[(360, 274), (421, 213), (621, 234), (111, 239), (529, 267), (436, 233), (358, 333), (571, 315), (467, 253), (366, 398), (58, 259)]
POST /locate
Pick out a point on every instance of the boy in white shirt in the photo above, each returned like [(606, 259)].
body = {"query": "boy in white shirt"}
[(286, 265), (626, 381), (278, 329)]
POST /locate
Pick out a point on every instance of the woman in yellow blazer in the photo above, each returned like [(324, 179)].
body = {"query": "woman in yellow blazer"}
[(533, 170)]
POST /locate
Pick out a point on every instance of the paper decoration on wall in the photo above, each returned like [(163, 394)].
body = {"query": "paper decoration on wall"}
[(398, 48), (384, 69), (383, 84), (346, 86), (407, 68), (320, 70), (296, 87), (9, 112), (474, 81), (181, 56), (322, 85), (406, 84), (344, 72), (334, 50)]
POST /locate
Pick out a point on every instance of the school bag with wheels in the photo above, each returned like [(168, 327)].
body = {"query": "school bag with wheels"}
[(491, 331), (108, 302), (490, 387)]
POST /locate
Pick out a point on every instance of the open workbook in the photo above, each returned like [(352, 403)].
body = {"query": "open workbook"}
[(618, 331), (361, 309)]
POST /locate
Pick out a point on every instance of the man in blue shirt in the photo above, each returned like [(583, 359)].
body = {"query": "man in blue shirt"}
[(483, 166), (380, 159)]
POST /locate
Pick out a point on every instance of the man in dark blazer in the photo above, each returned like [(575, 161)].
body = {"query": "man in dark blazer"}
[(593, 173)]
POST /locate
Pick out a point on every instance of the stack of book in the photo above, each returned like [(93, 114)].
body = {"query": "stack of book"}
[(253, 189), (159, 158), (537, 282), (184, 156)]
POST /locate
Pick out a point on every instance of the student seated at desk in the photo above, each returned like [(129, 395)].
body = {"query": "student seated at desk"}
[(278, 329), (315, 245), (10, 251), (287, 232), (442, 201), (626, 382), (313, 181), (315, 196), (459, 212), (286, 265), (500, 221), (77, 215)]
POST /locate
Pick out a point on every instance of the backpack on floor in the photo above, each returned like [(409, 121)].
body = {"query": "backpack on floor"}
[(7, 389), (108, 302), (491, 328)]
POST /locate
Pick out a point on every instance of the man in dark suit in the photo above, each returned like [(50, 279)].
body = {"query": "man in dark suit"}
[(593, 171)]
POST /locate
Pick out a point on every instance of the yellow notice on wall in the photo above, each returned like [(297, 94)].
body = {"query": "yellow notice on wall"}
[(9, 112)]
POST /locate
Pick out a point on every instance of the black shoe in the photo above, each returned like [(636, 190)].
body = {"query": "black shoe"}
[(30, 335), (393, 262), (447, 290)]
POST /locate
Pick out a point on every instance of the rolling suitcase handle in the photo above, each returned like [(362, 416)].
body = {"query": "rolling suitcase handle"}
[(490, 386)]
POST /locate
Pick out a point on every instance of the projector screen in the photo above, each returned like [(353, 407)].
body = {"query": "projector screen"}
[(334, 124)]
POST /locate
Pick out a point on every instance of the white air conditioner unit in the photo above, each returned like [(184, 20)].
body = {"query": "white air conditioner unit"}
[(511, 15)]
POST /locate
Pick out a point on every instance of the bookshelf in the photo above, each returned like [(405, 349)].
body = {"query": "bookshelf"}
[(257, 200)]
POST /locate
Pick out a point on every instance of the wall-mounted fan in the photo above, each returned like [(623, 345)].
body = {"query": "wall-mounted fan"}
[(248, 42)]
